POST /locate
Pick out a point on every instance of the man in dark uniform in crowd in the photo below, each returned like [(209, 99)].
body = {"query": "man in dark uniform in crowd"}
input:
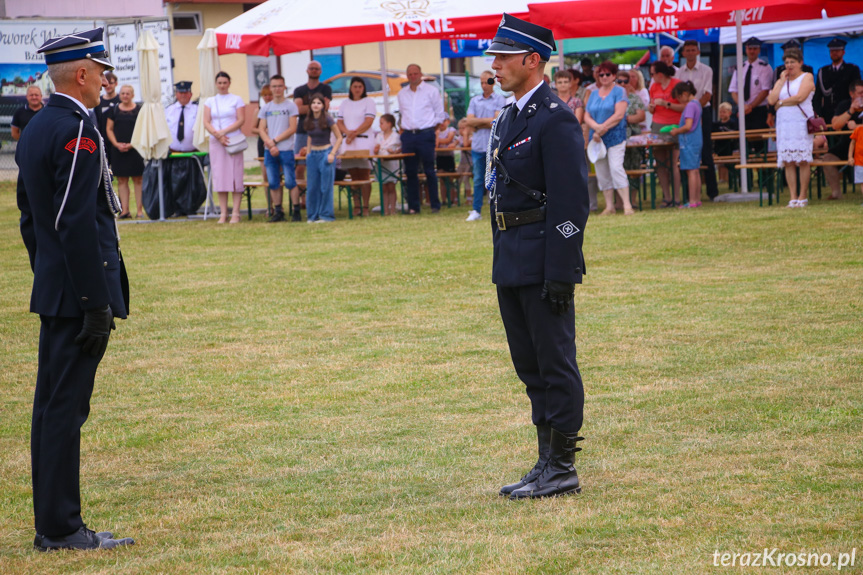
[(537, 179), (831, 85), (68, 211), (185, 189)]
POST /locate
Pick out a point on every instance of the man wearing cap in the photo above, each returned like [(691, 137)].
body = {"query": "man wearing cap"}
[(68, 212), (758, 81), (537, 179), (183, 177), (793, 43), (831, 86)]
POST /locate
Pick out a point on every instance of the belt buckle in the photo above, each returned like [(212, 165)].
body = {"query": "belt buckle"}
[(501, 221)]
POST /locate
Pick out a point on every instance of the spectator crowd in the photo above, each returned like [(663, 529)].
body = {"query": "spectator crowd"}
[(614, 108)]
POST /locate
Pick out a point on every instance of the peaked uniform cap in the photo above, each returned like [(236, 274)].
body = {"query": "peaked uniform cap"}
[(183, 86), (516, 36), (86, 45), (837, 44)]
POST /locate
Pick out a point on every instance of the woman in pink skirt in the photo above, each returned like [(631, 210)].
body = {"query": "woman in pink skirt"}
[(224, 114)]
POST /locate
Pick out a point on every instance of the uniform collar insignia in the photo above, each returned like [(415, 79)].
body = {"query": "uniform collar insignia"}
[(532, 107)]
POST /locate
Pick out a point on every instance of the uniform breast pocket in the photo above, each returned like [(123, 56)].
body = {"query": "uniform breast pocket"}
[(520, 151)]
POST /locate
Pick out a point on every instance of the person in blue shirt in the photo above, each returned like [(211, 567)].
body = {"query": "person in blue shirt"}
[(605, 116), (481, 112)]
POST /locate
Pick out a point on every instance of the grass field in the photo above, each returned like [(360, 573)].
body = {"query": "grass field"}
[(288, 398)]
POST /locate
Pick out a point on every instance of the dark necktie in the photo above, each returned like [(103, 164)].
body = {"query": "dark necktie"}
[(181, 125), (746, 90)]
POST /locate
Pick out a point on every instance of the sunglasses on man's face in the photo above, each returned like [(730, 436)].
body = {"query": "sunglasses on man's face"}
[(622, 80), (605, 75)]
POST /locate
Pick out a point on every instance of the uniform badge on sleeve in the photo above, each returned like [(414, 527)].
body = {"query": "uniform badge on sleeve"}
[(86, 144), (567, 229)]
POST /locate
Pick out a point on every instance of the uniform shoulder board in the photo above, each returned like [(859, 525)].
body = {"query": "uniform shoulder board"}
[(761, 62)]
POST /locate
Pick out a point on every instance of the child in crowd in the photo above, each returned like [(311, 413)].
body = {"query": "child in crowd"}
[(726, 123), (387, 142), (855, 155), (689, 136), (320, 161), (446, 138)]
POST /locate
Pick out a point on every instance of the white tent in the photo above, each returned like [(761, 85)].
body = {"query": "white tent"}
[(852, 24)]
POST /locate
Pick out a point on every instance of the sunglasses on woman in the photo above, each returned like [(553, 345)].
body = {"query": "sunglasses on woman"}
[(622, 80), (605, 74)]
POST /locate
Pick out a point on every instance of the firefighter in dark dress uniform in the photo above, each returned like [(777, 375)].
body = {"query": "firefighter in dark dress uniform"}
[(68, 211), (537, 182), (831, 85)]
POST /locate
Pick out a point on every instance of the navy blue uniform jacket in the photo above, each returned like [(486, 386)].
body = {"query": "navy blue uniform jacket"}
[(76, 266), (552, 161)]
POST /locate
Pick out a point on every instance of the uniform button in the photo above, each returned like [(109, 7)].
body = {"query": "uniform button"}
[(83, 299), (104, 264)]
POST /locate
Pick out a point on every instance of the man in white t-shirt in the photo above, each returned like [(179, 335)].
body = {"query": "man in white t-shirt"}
[(277, 129)]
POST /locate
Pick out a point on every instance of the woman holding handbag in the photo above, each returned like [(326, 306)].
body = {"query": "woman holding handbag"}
[(792, 97), (224, 114)]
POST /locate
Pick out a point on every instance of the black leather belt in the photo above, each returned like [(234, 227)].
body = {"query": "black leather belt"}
[(506, 220), (420, 131)]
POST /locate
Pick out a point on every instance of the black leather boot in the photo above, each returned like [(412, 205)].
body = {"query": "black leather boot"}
[(543, 439), (559, 476)]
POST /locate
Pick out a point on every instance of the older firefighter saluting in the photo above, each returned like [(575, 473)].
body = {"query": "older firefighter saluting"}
[(537, 179), (68, 211)]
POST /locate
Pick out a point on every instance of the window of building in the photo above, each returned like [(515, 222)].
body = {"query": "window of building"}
[(188, 23)]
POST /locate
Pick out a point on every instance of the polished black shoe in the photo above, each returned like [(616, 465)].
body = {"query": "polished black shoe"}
[(295, 216), (543, 439), (85, 539), (559, 476)]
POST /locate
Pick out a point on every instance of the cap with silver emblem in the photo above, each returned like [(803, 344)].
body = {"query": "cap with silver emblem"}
[(516, 36), (77, 46)]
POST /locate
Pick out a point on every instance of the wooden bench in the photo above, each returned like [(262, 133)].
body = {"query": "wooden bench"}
[(814, 165), (345, 186), (249, 187)]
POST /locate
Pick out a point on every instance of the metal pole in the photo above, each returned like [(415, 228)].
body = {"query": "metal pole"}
[(161, 192), (741, 103), (385, 85)]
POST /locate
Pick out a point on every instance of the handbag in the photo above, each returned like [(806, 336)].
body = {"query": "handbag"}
[(815, 124), (233, 147), (236, 147)]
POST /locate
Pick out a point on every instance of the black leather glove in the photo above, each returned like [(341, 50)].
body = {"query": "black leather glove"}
[(98, 324), (558, 294)]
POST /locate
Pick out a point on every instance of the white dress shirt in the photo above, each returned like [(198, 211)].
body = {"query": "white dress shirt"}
[(761, 80), (172, 115), (420, 109), (701, 76), (522, 102)]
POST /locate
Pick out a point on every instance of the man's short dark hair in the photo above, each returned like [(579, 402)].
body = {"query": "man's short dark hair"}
[(560, 74), (852, 87), (277, 77), (690, 43), (586, 62)]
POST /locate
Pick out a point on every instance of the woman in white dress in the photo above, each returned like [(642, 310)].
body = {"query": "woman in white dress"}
[(792, 97), (356, 115)]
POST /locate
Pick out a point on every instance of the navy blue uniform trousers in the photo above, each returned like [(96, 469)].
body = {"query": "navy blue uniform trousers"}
[(64, 384), (421, 144), (542, 346)]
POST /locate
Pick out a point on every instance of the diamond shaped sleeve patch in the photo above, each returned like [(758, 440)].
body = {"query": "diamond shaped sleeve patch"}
[(567, 229)]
